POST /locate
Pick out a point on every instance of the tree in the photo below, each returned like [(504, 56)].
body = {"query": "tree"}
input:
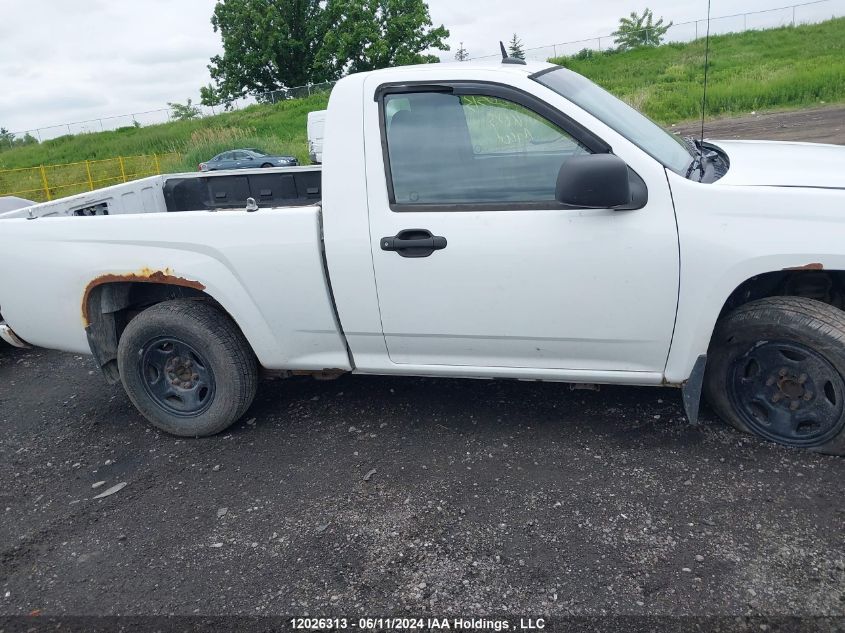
[(462, 55), (184, 111), (273, 45), (28, 139), (370, 34), (636, 31), (210, 97), (267, 44), (7, 139), (515, 48)]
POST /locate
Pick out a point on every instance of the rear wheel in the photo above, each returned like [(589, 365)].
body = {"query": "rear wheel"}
[(187, 367), (775, 369)]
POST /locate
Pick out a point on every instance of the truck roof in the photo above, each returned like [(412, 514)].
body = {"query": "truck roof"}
[(399, 72), (528, 68)]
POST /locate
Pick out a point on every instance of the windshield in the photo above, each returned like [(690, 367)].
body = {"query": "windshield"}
[(670, 150)]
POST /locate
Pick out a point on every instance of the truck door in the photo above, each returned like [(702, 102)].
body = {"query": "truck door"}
[(476, 264)]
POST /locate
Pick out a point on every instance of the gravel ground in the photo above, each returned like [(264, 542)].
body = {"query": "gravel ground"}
[(403, 495), (817, 125), (374, 496)]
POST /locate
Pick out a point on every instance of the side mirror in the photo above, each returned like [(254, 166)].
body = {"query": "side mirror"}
[(594, 181), (249, 157)]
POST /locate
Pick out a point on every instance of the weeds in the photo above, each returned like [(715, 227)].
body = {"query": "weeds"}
[(776, 68)]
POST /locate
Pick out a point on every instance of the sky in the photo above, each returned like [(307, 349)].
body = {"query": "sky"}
[(64, 62)]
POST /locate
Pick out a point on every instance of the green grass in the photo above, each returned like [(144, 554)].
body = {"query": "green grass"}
[(275, 128), (788, 67)]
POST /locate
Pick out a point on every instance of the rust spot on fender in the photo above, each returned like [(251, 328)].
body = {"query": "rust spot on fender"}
[(811, 266), (145, 275)]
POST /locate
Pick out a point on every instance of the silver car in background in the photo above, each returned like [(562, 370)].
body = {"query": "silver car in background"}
[(249, 158)]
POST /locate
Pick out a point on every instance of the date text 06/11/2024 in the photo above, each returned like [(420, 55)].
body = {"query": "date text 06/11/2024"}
[(411, 624)]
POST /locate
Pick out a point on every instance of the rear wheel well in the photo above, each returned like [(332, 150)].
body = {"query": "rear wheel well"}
[(827, 286), (111, 306)]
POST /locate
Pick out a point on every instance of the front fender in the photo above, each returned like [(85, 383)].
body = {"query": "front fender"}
[(730, 234)]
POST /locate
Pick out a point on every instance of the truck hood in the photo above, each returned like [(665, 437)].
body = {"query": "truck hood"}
[(778, 164)]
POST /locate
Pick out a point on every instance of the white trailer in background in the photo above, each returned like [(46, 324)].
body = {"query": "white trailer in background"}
[(316, 124)]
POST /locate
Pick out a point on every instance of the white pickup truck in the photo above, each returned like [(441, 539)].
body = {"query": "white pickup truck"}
[(476, 221)]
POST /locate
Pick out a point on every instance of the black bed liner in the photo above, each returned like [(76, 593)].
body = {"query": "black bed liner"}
[(230, 191)]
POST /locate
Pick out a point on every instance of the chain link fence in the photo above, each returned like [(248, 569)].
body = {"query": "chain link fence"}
[(153, 117), (295, 93), (791, 15)]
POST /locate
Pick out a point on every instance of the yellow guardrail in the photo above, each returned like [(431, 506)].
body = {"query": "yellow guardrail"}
[(48, 182)]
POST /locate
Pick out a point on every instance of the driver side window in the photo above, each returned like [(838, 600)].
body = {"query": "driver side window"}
[(472, 149)]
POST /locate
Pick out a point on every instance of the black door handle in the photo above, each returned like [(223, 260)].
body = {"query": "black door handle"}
[(413, 243)]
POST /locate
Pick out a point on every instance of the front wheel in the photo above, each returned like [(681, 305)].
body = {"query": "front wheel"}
[(775, 369), (187, 367)]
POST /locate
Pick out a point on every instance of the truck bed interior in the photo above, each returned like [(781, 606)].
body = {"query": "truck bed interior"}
[(217, 191), (269, 188)]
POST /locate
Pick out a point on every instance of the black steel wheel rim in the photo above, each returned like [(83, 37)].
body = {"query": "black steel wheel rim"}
[(788, 393), (177, 378)]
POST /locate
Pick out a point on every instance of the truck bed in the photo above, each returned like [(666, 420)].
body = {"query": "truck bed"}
[(200, 191), (265, 269)]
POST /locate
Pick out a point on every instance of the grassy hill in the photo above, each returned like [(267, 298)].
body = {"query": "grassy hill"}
[(756, 70), (277, 128), (788, 67)]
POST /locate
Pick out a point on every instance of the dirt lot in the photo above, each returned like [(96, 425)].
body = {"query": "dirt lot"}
[(376, 496), (818, 125), (500, 497)]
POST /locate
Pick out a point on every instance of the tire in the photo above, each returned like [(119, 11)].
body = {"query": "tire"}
[(187, 368), (775, 369), (267, 165)]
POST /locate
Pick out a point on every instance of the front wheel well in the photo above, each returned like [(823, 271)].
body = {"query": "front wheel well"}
[(810, 282), (109, 307), (827, 286)]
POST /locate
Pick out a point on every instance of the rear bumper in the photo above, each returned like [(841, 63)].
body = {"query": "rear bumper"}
[(8, 335)]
